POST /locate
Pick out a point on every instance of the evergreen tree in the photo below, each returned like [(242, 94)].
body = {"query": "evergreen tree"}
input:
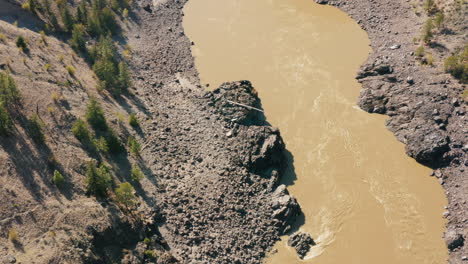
[(95, 115), (125, 196), (5, 121), (67, 17), (98, 179), (125, 81), (78, 42)]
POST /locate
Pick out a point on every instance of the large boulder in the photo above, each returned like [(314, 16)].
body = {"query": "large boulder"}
[(427, 146), (286, 208), (301, 242), (238, 102), (270, 154), (454, 240)]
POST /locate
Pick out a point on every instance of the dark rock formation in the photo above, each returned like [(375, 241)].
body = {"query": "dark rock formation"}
[(454, 240), (301, 242)]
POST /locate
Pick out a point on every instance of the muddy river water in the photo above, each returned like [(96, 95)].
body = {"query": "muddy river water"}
[(364, 200)]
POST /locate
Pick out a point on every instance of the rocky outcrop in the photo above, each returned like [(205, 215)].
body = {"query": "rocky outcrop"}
[(238, 103), (301, 242), (285, 208)]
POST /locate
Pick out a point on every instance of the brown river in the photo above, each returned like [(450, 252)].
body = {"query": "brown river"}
[(364, 200)]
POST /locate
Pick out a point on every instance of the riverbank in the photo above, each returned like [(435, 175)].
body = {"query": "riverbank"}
[(424, 104), (217, 165)]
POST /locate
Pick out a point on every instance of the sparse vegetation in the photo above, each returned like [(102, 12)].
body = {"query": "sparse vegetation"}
[(134, 146), (13, 235), (137, 174), (429, 59), (147, 241), (149, 254), (133, 121), (58, 179), (124, 195), (22, 44), (439, 20), (427, 31), (429, 6), (419, 52), (457, 65), (70, 69), (98, 179)]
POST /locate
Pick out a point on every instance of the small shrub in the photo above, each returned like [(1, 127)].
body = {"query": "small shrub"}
[(47, 66), (26, 6), (429, 59), (58, 179), (124, 195), (149, 254), (70, 69), (134, 146), (429, 6), (419, 52), (125, 13), (13, 235), (439, 20), (50, 109), (21, 43), (137, 174), (98, 179), (35, 129), (133, 121), (95, 115), (457, 65), (427, 31), (81, 132), (2, 38), (147, 241)]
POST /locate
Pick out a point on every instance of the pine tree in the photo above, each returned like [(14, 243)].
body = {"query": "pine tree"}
[(98, 179), (67, 18), (5, 121), (78, 42), (95, 115), (125, 81), (125, 196)]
